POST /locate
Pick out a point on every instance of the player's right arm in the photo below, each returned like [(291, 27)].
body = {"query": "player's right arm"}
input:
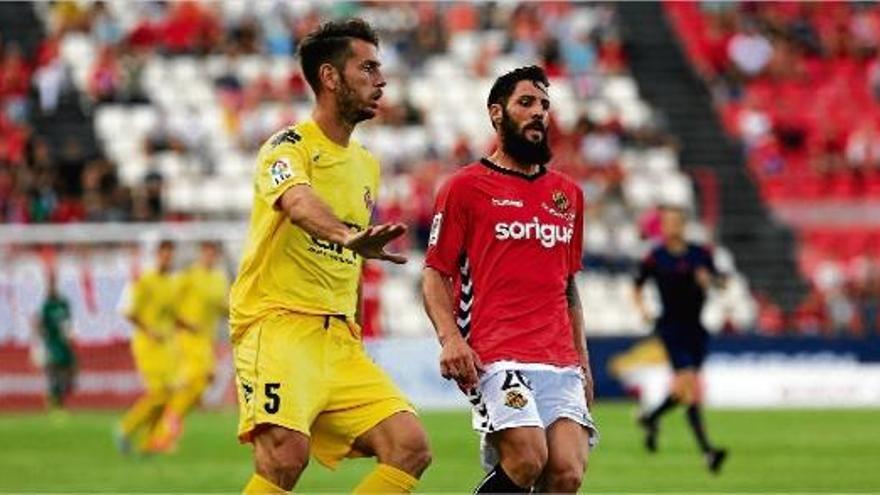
[(458, 361), (139, 295), (646, 271), (305, 209), (284, 181)]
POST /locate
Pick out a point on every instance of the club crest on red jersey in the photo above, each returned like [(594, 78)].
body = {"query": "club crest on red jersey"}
[(561, 206), (561, 201)]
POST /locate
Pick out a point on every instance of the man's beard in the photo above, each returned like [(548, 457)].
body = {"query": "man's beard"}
[(350, 108), (521, 149)]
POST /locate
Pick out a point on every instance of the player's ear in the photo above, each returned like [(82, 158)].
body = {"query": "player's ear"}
[(496, 114), (329, 76)]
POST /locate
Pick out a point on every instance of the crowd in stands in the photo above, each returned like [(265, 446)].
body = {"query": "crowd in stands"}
[(35, 188), (798, 84), (200, 83)]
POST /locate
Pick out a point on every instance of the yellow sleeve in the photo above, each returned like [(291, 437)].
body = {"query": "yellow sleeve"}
[(375, 184), (139, 294), (283, 163), (182, 291)]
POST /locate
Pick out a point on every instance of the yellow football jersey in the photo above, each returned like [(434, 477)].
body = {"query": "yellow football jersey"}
[(153, 298), (283, 267), (203, 296)]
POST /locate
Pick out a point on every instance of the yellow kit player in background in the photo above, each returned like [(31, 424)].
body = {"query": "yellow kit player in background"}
[(203, 290), (305, 383), (151, 309)]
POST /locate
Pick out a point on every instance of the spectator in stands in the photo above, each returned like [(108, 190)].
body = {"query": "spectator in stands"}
[(828, 149), (863, 146), (866, 297), (104, 25), (811, 317), (749, 50), (70, 165), (132, 64), (15, 75), (770, 319), (50, 80), (148, 205), (106, 76)]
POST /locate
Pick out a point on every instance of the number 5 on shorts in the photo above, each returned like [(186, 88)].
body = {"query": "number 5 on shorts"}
[(274, 403)]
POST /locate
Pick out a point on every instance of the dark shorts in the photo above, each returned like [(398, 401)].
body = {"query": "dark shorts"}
[(686, 348)]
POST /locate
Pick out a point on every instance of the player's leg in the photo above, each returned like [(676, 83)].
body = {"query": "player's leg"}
[(68, 380), (55, 383), (195, 375), (280, 457), (367, 415), (568, 452), (151, 360), (279, 370), (515, 445), (400, 446), (522, 454), (570, 433), (691, 394), (650, 421)]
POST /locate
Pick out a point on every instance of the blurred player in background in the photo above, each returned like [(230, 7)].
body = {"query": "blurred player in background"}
[(52, 326), (305, 381), (507, 233), (683, 272), (151, 309), (204, 292)]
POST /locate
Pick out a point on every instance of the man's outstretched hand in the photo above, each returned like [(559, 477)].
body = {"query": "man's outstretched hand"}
[(370, 242)]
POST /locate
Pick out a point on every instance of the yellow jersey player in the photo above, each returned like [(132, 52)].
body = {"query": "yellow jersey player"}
[(151, 309), (204, 293), (305, 383)]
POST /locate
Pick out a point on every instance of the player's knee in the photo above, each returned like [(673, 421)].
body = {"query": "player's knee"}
[(281, 456), (565, 479), (282, 467), (525, 468), (409, 450)]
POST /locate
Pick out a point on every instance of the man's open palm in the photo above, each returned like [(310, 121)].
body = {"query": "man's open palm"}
[(370, 243)]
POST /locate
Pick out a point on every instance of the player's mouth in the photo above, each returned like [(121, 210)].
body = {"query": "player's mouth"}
[(535, 127), (374, 99)]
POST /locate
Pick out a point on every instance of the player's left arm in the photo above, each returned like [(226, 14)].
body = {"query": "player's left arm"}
[(573, 298), (707, 273), (576, 315), (67, 326)]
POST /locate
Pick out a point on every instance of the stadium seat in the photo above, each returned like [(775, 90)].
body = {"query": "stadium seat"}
[(620, 89)]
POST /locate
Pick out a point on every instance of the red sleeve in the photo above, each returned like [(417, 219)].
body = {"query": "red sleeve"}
[(448, 228), (577, 243)]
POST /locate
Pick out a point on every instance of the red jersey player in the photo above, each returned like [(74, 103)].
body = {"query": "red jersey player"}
[(499, 287)]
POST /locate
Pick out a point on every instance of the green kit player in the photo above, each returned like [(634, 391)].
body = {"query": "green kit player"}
[(52, 326)]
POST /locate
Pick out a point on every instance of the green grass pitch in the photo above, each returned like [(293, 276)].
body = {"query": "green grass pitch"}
[(771, 451)]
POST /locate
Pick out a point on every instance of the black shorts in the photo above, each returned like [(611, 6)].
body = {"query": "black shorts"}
[(686, 347)]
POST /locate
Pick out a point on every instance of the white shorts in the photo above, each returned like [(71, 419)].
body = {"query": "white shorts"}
[(512, 395)]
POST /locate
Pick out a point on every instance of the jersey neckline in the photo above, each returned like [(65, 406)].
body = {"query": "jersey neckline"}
[(492, 165), (323, 137)]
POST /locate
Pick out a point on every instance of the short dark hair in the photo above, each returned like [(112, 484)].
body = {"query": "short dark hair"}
[(215, 245), (504, 85), (331, 43), (166, 244)]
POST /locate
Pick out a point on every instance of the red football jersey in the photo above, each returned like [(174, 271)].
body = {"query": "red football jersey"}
[(510, 241)]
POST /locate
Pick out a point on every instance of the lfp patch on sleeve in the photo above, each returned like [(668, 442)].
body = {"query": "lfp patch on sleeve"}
[(280, 172), (435, 229)]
